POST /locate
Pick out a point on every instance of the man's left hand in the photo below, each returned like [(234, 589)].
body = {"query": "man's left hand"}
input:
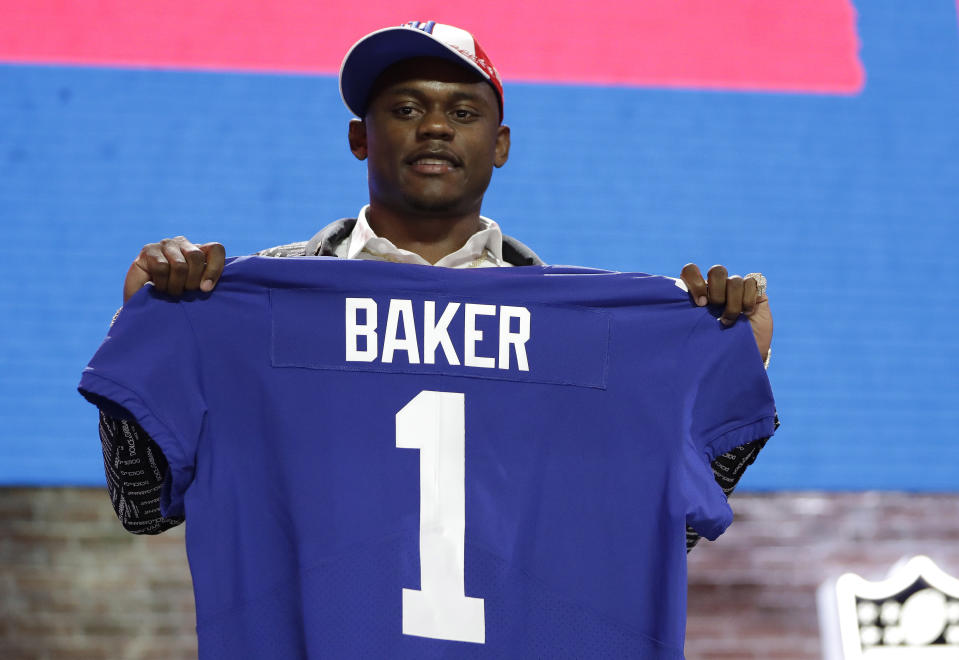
[(738, 297)]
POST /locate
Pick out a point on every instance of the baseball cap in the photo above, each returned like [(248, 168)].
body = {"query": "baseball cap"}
[(372, 54)]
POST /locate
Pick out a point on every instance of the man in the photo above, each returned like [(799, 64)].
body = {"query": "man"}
[(525, 523), (430, 107)]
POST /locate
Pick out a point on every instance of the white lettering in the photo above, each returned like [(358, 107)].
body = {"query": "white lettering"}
[(441, 329), (436, 333), (400, 308), (517, 339), (471, 336), (355, 330)]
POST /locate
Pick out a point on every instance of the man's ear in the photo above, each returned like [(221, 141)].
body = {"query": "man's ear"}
[(357, 137), (502, 146)]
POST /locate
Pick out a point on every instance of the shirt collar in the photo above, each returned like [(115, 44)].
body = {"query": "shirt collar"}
[(486, 245)]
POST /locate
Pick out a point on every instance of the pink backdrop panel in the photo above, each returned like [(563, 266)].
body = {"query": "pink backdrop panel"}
[(809, 46)]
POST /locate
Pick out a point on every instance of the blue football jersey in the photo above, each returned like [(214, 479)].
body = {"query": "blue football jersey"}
[(379, 460)]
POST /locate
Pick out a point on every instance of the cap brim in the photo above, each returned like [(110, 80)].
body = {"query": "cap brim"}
[(376, 52)]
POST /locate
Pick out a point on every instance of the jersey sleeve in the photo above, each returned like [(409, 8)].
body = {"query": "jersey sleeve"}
[(147, 369), (729, 403)]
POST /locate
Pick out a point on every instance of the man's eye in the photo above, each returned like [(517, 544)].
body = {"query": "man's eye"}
[(464, 114), (404, 111)]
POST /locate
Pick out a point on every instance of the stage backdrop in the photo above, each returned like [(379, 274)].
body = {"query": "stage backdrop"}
[(816, 142)]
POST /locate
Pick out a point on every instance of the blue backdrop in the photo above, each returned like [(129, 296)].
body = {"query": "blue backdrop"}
[(848, 204)]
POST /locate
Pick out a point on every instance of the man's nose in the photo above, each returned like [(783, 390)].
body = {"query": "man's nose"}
[(435, 124)]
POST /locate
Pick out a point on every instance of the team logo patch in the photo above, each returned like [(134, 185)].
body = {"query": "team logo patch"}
[(424, 26), (911, 615)]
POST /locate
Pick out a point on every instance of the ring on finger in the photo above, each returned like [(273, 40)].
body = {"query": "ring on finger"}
[(760, 282)]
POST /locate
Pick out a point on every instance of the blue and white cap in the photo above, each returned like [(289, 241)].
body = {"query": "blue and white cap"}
[(375, 52)]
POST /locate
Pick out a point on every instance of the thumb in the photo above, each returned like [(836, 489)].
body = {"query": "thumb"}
[(215, 255), (136, 277), (761, 322)]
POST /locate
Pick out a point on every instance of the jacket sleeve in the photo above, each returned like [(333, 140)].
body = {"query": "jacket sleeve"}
[(135, 471), (135, 466), (728, 469)]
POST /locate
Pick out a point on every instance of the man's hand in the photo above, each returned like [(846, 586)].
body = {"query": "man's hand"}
[(737, 295), (175, 265)]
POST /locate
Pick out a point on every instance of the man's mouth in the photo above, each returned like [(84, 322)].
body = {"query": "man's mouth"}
[(433, 163)]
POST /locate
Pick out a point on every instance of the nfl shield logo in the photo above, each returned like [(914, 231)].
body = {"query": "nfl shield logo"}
[(911, 615)]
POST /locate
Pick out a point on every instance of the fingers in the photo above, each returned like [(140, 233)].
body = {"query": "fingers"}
[(215, 257), (736, 295), (136, 277), (695, 284), (184, 265), (717, 285), (175, 265), (734, 300)]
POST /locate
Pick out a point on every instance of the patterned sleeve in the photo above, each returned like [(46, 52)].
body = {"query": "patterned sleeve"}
[(136, 467), (728, 469), (135, 471)]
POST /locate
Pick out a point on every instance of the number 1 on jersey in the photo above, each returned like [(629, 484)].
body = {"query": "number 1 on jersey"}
[(434, 423)]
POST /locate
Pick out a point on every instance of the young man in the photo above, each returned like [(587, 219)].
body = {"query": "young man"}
[(430, 107), (562, 423)]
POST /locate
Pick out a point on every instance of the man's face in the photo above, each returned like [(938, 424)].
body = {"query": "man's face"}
[(432, 136)]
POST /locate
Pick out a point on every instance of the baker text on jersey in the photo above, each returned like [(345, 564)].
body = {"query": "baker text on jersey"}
[(415, 332)]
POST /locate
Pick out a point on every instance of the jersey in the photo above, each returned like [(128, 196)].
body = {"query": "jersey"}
[(388, 460)]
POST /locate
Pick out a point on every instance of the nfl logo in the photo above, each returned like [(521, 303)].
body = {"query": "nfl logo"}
[(911, 615)]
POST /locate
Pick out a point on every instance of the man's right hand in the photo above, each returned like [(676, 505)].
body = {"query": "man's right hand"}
[(175, 265)]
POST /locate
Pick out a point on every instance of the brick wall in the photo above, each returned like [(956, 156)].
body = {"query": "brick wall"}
[(73, 584), (753, 591)]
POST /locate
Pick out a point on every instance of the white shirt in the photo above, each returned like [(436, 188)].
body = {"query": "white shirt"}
[(484, 249)]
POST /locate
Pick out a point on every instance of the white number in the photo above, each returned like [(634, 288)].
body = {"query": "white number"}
[(434, 423)]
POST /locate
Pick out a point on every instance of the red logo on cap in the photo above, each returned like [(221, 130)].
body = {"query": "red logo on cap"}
[(481, 62)]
